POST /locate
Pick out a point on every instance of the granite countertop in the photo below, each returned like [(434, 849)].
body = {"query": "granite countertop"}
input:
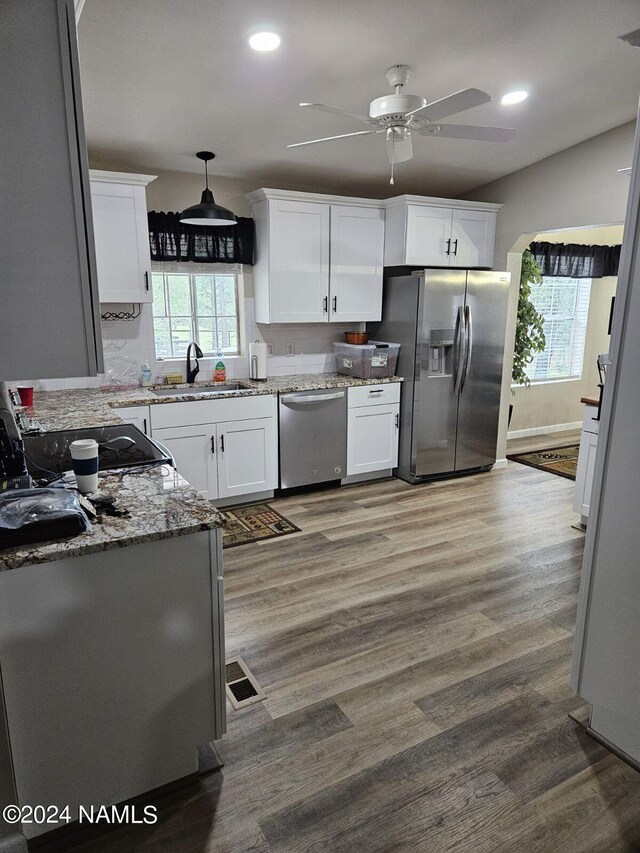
[(159, 504), (93, 407)]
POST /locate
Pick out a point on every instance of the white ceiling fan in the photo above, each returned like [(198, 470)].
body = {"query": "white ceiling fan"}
[(400, 115)]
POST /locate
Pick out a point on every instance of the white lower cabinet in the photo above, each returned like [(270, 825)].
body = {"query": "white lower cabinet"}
[(373, 428), (231, 453), (193, 449), (247, 462), (586, 462), (136, 415)]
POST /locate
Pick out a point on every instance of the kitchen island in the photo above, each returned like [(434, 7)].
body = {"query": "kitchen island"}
[(112, 648)]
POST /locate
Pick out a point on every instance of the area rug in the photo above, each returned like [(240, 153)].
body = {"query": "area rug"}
[(558, 460), (253, 523)]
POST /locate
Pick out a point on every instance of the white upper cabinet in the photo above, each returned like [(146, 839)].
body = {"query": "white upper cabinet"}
[(428, 235), (299, 261), (357, 250), (121, 233), (473, 234), (318, 258), (431, 232)]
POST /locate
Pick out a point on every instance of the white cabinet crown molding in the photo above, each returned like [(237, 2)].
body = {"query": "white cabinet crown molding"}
[(456, 203), (120, 178), (266, 193)]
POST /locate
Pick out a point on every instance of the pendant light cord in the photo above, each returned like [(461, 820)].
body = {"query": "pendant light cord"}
[(206, 175)]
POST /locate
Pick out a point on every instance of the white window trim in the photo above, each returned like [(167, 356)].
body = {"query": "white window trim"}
[(191, 267)]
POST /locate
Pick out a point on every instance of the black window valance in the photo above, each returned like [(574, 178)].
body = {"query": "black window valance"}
[(170, 240), (575, 260)]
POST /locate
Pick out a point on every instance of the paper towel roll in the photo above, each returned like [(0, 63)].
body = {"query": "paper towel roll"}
[(258, 360)]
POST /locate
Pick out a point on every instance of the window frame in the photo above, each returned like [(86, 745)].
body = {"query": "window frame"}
[(194, 269), (576, 320)]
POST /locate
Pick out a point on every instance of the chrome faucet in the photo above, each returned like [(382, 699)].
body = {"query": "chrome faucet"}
[(192, 372)]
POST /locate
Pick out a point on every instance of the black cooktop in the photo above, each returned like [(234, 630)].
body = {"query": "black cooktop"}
[(49, 451)]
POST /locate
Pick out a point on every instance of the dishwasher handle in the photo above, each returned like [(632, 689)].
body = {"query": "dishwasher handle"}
[(311, 398)]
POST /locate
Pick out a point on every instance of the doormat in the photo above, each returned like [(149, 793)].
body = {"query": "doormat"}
[(558, 460), (254, 523)]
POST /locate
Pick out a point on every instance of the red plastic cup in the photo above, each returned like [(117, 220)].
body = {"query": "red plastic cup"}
[(26, 394)]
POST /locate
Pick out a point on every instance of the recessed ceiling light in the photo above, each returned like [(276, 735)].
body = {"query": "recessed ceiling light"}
[(514, 98), (265, 41)]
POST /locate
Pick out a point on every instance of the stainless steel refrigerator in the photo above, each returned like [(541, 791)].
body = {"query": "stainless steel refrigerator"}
[(451, 327)]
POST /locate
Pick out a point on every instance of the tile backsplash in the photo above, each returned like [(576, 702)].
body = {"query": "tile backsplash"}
[(127, 344)]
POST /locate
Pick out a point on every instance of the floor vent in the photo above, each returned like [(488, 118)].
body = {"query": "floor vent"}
[(242, 688)]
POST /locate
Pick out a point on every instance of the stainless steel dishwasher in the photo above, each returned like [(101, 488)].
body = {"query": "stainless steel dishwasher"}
[(313, 437)]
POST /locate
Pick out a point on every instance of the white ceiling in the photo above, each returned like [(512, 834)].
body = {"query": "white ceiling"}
[(162, 79)]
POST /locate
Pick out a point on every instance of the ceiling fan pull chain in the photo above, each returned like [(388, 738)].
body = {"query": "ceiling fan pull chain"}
[(392, 182)]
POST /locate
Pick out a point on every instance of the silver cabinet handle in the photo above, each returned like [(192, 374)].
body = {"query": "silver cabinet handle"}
[(311, 398), (468, 346), (459, 349)]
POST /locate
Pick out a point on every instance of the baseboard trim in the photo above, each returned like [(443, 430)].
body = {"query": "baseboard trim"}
[(543, 430)]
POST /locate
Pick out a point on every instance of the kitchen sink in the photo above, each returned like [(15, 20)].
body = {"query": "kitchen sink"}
[(182, 392)]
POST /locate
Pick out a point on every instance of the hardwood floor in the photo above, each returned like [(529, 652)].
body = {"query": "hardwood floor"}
[(414, 644), (543, 442)]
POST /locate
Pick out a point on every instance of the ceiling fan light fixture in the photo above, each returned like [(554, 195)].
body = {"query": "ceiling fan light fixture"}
[(207, 212), (264, 42), (516, 97)]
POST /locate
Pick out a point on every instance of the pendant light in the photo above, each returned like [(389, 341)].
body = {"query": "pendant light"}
[(207, 212)]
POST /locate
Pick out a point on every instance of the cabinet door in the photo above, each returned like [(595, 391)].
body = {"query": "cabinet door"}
[(122, 242), (299, 261), (247, 457), (355, 278), (194, 450), (49, 312), (584, 473), (472, 238), (136, 415), (428, 235), (372, 438)]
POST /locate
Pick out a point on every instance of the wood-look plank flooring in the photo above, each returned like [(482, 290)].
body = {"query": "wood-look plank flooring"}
[(414, 644), (529, 443)]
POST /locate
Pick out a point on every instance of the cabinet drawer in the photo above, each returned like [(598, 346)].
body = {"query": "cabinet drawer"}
[(212, 411), (374, 395), (590, 422)]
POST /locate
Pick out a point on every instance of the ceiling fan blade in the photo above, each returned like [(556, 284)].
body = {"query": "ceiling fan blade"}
[(469, 131), (399, 149), (338, 112), (329, 138), (458, 102)]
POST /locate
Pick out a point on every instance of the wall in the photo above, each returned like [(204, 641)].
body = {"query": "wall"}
[(576, 187), (548, 404)]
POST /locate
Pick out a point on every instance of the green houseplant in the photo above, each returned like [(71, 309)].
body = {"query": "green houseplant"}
[(530, 338)]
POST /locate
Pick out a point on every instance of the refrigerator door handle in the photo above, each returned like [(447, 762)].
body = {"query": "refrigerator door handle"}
[(468, 346), (459, 352)]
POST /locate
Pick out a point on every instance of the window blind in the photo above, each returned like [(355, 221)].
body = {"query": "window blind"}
[(564, 304)]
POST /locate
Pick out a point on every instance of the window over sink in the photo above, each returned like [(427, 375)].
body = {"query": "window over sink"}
[(194, 302), (564, 304)]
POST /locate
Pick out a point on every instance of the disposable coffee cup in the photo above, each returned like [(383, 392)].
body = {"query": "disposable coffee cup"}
[(84, 456)]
